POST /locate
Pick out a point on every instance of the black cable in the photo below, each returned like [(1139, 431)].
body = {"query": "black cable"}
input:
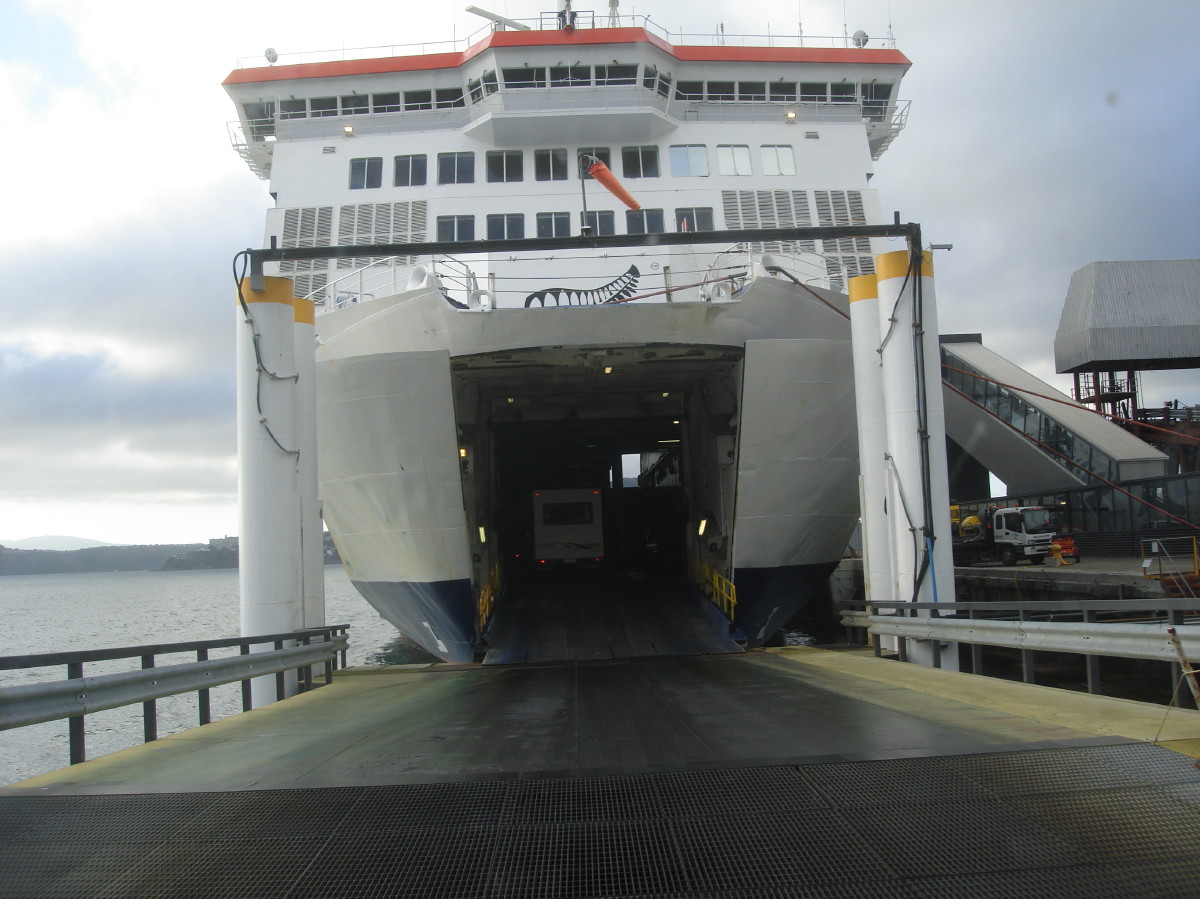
[(260, 368)]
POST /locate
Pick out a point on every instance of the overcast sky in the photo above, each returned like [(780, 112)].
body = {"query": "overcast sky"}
[(1043, 135)]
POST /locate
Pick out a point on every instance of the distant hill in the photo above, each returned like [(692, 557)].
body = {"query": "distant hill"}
[(92, 558), (55, 543)]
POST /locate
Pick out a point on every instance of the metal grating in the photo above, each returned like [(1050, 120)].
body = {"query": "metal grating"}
[(1073, 822)]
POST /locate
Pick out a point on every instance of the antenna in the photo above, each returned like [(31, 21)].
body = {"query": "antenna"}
[(860, 38), (498, 19), (614, 15)]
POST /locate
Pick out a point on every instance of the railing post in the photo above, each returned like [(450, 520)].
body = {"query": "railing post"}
[(1026, 655), (976, 650), (280, 678), (1091, 662), (306, 671), (247, 695), (149, 709), (75, 733), (1179, 689), (202, 697)]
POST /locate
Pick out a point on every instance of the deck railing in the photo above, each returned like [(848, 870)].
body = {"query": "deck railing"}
[(79, 695), (1129, 628), (717, 588)]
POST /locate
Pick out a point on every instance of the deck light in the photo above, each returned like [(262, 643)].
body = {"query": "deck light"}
[(482, 535), (790, 117), (348, 130), (608, 369), (703, 525), (462, 452)]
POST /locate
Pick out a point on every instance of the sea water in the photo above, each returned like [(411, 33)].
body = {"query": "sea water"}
[(62, 612)]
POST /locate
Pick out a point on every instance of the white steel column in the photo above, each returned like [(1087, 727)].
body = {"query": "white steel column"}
[(918, 493), (312, 534), (872, 437), (269, 532)]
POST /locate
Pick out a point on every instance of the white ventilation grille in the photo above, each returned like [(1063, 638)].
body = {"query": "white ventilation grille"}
[(769, 209), (846, 257), (307, 226), (375, 223)]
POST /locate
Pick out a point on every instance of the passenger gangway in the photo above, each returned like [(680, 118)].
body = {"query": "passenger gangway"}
[(1031, 436)]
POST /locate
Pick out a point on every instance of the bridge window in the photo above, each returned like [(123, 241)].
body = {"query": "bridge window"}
[(389, 102), (694, 218), (409, 170), (550, 165), (753, 91), (843, 93), (320, 107), (639, 162), (690, 90), (644, 221), (602, 222), (875, 100), (506, 226), (415, 101), (483, 85), (524, 77), (449, 97), (814, 92), (689, 159), (733, 159), (456, 168), (616, 74), (777, 159), (505, 165), (554, 224), (355, 105), (783, 91), (570, 76), (455, 228), (720, 90), (660, 83), (366, 172), (293, 109), (601, 153)]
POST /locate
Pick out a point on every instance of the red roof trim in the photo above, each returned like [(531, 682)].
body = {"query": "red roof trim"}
[(584, 37)]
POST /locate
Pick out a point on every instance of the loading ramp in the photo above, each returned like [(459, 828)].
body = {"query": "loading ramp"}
[(594, 615)]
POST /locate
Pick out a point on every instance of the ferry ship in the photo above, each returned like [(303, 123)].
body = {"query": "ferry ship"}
[(451, 389)]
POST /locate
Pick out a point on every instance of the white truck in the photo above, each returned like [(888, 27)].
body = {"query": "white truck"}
[(1005, 535), (568, 526)]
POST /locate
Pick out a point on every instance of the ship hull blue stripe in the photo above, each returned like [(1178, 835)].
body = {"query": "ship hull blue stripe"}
[(429, 612)]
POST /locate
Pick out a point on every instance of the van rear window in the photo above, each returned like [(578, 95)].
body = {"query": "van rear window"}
[(560, 514)]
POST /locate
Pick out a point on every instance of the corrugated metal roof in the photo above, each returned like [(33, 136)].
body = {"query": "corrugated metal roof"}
[(1115, 442), (1135, 315)]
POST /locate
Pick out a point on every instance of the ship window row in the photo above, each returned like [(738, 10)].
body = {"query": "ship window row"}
[(554, 164), (874, 96), (511, 226)]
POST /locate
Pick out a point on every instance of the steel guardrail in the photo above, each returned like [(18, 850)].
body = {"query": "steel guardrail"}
[(79, 695)]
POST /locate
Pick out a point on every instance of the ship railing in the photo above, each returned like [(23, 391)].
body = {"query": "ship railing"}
[(384, 277), (80, 695), (585, 19), (1174, 561), (1127, 628), (718, 588)]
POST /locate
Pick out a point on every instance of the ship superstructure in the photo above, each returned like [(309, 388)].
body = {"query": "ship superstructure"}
[(450, 388)]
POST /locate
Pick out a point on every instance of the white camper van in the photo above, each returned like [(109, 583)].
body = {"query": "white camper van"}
[(568, 526)]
